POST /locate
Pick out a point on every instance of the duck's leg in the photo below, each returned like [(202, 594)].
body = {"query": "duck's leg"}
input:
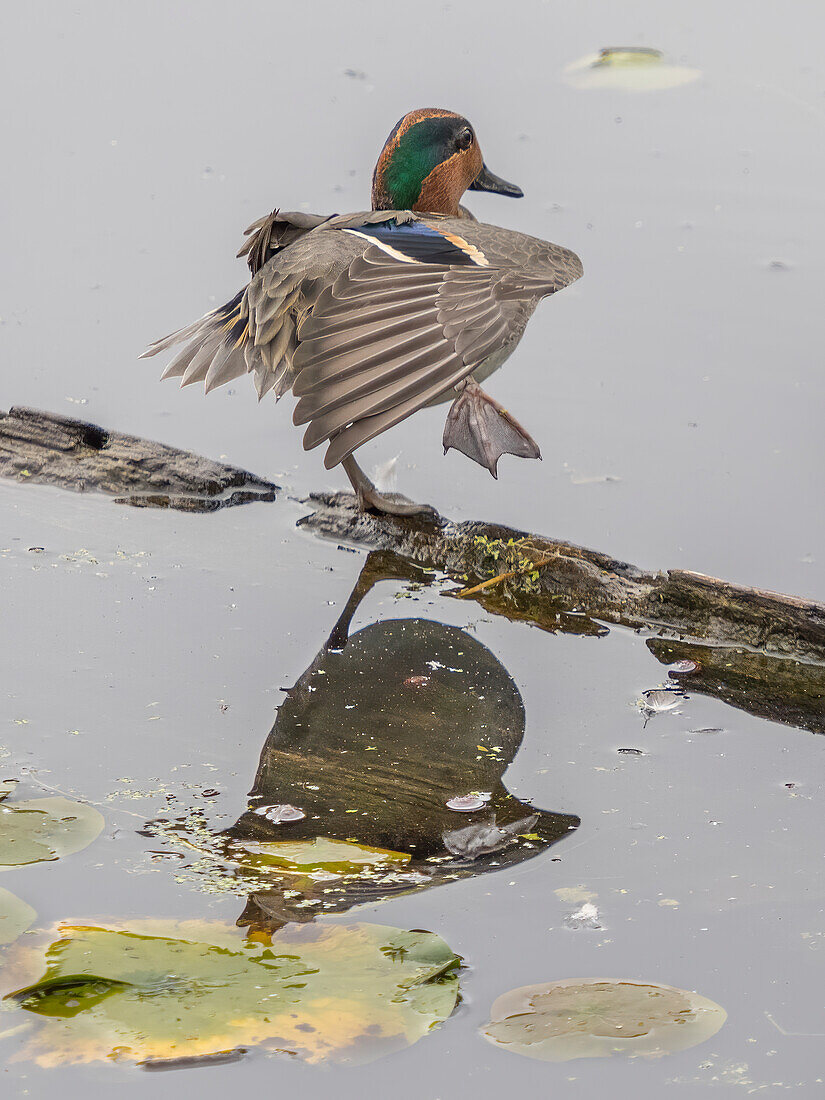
[(483, 430), (369, 498)]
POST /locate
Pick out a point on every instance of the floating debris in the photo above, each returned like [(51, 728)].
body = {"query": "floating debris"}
[(594, 1018), (587, 916), (632, 752), (417, 681), (684, 667), (659, 701), (468, 803), (279, 815), (630, 69)]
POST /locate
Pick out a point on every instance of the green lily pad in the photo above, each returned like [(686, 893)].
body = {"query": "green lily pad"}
[(592, 1018), (160, 991), (15, 916), (628, 69), (43, 829)]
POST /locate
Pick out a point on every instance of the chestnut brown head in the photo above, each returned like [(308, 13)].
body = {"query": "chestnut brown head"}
[(429, 160)]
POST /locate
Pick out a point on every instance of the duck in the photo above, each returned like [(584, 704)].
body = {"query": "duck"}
[(371, 316)]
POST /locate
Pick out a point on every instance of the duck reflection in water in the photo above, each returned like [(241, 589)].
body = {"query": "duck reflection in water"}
[(383, 771)]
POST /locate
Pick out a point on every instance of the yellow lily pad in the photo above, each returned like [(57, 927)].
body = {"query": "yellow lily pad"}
[(628, 69), (15, 916), (596, 1017), (322, 854), (159, 990), (43, 829)]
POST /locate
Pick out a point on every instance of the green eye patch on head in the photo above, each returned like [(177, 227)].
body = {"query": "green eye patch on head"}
[(416, 153)]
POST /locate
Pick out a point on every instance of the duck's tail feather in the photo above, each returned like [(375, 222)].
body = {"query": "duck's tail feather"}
[(219, 347)]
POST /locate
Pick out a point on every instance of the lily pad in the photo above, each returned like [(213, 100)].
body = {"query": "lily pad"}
[(629, 69), (596, 1017), (15, 916), (160, 990), (43, 829), (335, 856)]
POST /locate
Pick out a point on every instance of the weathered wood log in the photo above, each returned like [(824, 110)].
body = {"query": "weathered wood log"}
[(545, 581), (44, 448), (551, 584)]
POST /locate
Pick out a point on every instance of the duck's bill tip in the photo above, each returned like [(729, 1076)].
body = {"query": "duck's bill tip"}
[(489, 181)]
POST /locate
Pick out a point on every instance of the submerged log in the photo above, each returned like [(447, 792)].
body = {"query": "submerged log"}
[(549, 583), (48, 449)]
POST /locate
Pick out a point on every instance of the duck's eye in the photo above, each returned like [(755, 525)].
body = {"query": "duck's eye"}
[(464, 138)]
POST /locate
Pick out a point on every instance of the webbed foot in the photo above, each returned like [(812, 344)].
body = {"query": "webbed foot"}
[(370, 499), (483, 430)]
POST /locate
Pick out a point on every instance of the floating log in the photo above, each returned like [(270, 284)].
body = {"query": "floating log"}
[(559, 586), (47, 449), (742, 633)]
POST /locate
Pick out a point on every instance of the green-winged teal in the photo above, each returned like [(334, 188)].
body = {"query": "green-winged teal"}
[(368, 317)]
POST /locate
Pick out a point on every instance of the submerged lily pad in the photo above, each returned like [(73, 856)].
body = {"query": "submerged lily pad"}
[(15, 916), (164, 990), (43, 829), (592, 1018), (630, 69)]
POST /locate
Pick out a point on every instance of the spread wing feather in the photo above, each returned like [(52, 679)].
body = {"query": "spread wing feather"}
[(389, 336), (367, 333)]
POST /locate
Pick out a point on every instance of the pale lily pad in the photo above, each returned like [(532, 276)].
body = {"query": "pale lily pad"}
[(629, 69), (596, 1017), (321, 854), (160, 990), (15, 916), (43, 829)]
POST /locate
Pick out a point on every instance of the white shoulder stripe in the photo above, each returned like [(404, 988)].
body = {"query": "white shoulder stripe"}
[(381, 244)]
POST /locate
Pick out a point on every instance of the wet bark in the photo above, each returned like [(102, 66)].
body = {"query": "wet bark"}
[(47, 449), (555, 584)]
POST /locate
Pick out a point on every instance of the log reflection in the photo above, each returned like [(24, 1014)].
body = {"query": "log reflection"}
[(384, 729)]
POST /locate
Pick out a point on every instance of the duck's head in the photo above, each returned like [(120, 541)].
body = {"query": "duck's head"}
[(429, 160)]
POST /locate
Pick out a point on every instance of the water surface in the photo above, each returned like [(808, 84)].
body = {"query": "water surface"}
[(675, 391)]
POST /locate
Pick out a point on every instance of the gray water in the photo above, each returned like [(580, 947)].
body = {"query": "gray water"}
[(676, 392)]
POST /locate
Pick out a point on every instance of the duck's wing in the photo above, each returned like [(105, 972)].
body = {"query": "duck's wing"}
[(254, 333), (271, 234), (408, 319)]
